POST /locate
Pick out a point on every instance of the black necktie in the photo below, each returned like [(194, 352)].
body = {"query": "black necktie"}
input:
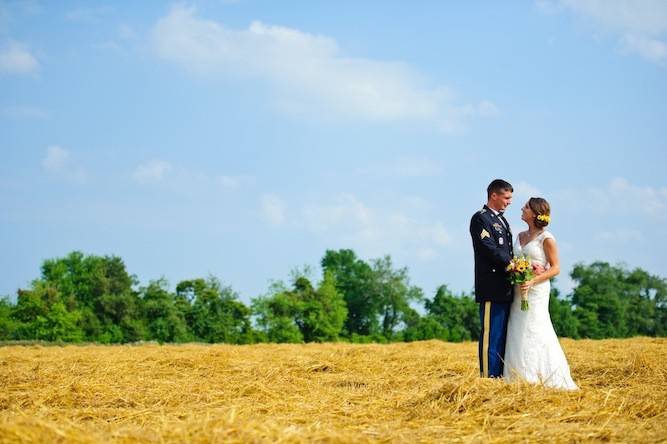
[(507, 224), (509, 232)]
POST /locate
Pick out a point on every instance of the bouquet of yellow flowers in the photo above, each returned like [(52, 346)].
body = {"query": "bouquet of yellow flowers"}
[(521, 271)]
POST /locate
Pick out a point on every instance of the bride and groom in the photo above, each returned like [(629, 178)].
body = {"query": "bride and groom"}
[(516, 344)]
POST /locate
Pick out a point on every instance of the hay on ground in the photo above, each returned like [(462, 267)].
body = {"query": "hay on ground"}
[(417, 392)]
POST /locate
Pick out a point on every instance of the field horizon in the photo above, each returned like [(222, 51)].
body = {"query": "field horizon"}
[(426, 391)]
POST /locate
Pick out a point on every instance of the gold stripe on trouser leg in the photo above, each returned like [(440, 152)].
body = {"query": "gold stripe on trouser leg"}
[(485, 341)]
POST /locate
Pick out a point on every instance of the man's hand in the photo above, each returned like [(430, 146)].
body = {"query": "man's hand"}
[(538, 269)]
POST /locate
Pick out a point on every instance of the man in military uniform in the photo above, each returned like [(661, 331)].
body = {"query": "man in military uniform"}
[(492, 242)]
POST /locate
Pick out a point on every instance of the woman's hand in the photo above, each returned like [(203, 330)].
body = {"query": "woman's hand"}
[(526, 285)]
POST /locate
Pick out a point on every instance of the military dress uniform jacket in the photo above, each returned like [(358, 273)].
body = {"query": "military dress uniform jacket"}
[(492, 243)]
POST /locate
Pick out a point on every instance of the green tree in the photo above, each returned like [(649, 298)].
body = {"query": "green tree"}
[(451, 312), (419, 328), (87, 278), (163, 319), (611, 301), (563, 319), (7, 323), (598, 302), (275, 314), (303, 313), (647, 295), (354, 281), (321, 313), (100, 289), (471, 320), (393, 294), (121, 318), (216, 315), (41, 314)]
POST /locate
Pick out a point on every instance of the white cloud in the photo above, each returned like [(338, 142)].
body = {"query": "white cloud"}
[(621, 235), (88, 16), (524, 191), (125, 32), (152, 171), (11, 11), (426, 254), (56, 158), (229, 182), (618, 198), (374, 230), (650, 200), (405, 167), (24, 112), (307, 72), (57, 162), (641, 25), (649, 48), (4, 17), (644, 16), (195, 184), (484, 108), (273, 208), (16, 59)]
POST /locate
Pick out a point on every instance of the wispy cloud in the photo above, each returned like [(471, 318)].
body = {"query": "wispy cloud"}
[(620, 235), (618, 197), (122, 42), (15, 58), (24, 112), (152, 171), (403, 167), (88, 16), (10, 11), (308, 72), (125, 32), (230, 182), (641, 26), (58, 162), (524, 191), (273, 209), (376, 230), (647, 199), (56, 158), (652, 49)]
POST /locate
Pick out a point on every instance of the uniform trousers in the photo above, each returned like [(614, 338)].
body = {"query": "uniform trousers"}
[(493, 317)]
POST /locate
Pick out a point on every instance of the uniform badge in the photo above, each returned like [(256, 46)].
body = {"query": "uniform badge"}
[(484, 234), (500, 240), (498, 227)]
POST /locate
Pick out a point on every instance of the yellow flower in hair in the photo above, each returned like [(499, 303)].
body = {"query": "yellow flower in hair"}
[(544, 218)]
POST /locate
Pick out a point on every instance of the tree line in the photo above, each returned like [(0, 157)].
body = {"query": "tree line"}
[(89, 298)]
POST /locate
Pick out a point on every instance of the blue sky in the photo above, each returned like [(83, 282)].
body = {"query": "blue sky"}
[(244, 138)]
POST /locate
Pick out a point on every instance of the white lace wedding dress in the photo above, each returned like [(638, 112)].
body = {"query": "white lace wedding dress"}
[(532, 350)]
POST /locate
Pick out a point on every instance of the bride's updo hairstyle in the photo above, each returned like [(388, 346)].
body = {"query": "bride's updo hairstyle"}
[(542, 211)]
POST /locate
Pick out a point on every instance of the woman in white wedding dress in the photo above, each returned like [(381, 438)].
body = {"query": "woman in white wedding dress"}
[(532, 350)]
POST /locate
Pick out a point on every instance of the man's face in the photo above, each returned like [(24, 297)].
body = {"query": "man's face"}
[(500, 201)]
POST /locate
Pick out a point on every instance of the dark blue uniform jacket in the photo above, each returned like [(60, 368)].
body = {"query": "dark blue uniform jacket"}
[(493, 251)]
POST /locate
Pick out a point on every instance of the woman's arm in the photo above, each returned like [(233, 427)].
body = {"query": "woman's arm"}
[(551, 251)]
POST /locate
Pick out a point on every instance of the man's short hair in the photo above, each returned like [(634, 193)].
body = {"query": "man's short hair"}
[(498, 186)]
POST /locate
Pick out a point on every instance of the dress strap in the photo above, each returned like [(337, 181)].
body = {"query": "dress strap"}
[(547, 235)]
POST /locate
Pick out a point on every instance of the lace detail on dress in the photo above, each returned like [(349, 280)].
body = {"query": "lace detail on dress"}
[(532, 350)]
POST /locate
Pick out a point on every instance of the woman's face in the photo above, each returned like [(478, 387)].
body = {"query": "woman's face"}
[(526, 213)]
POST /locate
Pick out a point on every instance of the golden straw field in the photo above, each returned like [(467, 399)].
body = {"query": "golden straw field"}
[(405, 392)]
